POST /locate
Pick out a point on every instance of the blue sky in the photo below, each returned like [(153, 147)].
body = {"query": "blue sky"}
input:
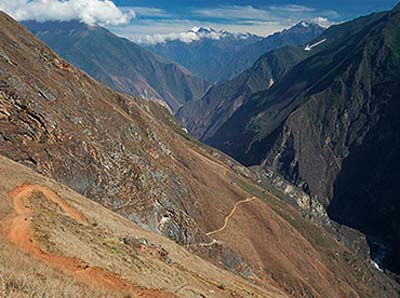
[(153, 20), (259, 17)]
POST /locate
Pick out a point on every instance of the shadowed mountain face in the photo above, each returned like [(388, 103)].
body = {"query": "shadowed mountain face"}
[(204, 117), (207, 51), (131, 156), (120, 63), (330, 126)]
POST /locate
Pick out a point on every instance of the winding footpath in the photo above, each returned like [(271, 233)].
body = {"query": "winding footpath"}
[(229, 216), (17, 229)]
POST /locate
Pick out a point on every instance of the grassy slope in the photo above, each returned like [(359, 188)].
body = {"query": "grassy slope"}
[(100, 244)]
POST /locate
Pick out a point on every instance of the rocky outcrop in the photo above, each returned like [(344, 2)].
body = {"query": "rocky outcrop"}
[(309, 206)]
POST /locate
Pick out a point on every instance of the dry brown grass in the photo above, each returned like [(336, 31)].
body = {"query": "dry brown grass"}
[(100, 244), (22, 276)]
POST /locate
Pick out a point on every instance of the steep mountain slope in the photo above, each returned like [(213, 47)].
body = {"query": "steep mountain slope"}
[(133, 157), (329, 126), (120, 63), (203, 51), (116, 258), (204, 117), (299, 34)]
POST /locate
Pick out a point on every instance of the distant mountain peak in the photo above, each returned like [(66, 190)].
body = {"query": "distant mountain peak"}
[(302, 26)]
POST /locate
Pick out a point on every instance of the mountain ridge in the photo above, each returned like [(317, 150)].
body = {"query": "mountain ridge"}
[(120, 63), (204, 117), (204, 51)]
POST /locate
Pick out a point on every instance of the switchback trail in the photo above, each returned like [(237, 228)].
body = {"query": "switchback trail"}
[(17, 229), (228, 217)]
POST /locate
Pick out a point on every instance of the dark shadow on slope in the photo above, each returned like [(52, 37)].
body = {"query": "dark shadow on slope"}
[(366, 192)]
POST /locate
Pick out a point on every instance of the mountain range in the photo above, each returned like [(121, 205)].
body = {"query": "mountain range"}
[(238, 236), (120, 63), (204, 51), (217, 56)]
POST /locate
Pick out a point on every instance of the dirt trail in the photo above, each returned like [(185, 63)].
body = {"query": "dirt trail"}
[(228, 217), (18, 230)]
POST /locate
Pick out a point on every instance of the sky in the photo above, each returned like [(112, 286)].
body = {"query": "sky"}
[(149, 21)]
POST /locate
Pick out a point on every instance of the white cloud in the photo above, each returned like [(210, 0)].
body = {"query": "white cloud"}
[(284, 14), (293, 8), (142, 11), (324, 22), (103, 12), (234, 12), (186, 37)]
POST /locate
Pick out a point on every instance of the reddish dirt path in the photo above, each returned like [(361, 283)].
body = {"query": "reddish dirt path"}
[(17, 229), (228, 217)]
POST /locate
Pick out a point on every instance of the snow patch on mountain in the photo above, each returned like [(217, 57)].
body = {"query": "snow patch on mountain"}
[(304, 24)]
